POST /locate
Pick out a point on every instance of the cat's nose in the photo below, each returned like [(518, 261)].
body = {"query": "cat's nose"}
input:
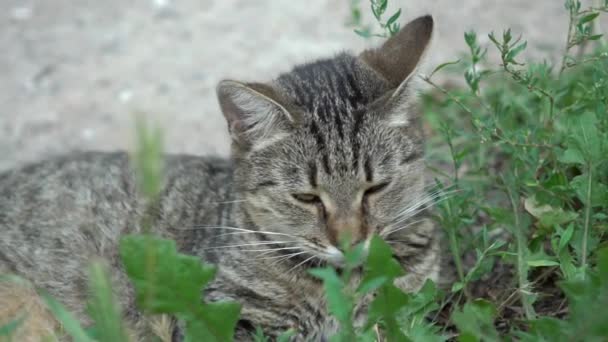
[(351, 229), (357, 240), (353, 242)]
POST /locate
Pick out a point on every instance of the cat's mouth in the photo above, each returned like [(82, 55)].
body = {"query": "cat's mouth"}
[(334, 256), (337, 257)]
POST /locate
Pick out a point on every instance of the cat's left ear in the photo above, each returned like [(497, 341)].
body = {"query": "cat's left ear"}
[(397, 59), (256, 114)]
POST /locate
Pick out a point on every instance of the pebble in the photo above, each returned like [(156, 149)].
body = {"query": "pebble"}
[(125, 95), (21, 13)]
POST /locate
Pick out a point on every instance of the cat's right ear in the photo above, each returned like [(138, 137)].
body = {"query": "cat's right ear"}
[(396, 62), (254, 113)]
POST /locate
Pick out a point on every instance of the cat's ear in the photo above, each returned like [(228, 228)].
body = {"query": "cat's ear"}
[(254, 113), (398, 58)]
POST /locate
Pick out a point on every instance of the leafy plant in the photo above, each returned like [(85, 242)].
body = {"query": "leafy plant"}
[(527, 145), (378, 9), (392, 313), (167, 282)]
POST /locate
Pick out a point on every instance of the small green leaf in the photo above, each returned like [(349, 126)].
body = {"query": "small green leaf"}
[(476, 321), (158, 273), (510, 57), (148, 158), (566, 237), (542, 263), (103, 308), (585, 138), (506, 36), (587, 18), (69, 323), (339, 304), (494, 40), (441, 66), (572, 156), (422, 303), (389, 300), (218, 320), (258, 335), (354, 257), (381, 6), (595, 37), (168, 282), (365, 32), (380, 262), (372, 284), (9, 328), (457, 286), (286, 336), (599, 191), (471, 39), (393, 18)]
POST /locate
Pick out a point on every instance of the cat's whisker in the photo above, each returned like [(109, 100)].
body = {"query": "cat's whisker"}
[(432, 201), (230, 202), (415, 206), (432, 187), (300, 264), (392, 231), (413, 213), (423, 204), (404, 218), (266, 253), (281, 257), (258, 232), (203, 226), (285, 258), (242, 230), (250, 244), (270, 249)]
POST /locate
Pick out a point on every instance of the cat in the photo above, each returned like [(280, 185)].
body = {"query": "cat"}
[(333, 147)]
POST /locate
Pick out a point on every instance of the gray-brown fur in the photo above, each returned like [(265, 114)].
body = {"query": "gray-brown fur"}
[(306, 148)]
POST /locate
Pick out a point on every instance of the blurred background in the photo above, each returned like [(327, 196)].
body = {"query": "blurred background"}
[(73, 73)]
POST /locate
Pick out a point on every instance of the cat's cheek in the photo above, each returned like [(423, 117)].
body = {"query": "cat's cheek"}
[(377, 215)]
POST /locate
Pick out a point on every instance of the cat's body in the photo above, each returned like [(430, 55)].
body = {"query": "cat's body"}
[(327, 149), (96, 194)]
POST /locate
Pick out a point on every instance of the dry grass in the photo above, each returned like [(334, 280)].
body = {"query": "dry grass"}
[(19, 299)]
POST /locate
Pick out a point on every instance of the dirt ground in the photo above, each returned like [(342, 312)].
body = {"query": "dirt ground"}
[(73, 73)]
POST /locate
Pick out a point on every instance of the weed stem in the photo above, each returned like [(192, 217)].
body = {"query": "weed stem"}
[(522, 269), (587, 219)]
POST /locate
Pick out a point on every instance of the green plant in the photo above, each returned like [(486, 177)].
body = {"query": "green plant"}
[(396, 315), (165, 281), (527, 145), (378, 9)]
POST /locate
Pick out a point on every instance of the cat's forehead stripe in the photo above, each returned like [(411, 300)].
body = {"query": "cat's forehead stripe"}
[(332, 89), (334, 94)]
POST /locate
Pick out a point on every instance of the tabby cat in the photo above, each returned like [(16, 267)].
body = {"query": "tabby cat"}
[(334, 146)]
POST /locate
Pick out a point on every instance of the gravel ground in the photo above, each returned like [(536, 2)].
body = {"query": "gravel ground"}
[(74, 73)]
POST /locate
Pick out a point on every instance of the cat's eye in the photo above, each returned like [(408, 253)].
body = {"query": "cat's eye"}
[(375, 189), (307, 198)]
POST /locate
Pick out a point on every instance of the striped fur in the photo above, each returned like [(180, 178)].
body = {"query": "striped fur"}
[(333, 147)]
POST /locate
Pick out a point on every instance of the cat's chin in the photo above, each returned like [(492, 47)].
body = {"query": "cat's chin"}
[(335, 257)]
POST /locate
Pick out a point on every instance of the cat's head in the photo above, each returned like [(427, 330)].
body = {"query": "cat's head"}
[(333, 147)]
